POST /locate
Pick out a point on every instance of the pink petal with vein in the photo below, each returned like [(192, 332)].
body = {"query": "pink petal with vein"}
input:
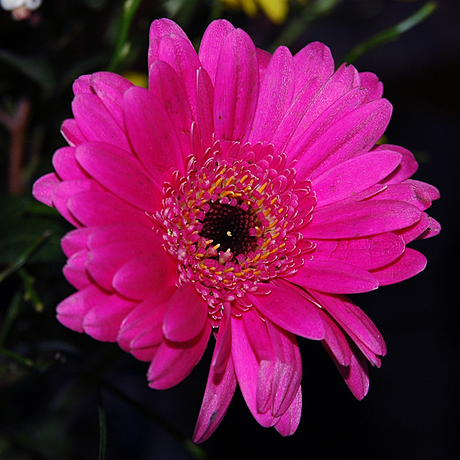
[(354, 220), (106, 163), (236, 87), (152, 133), (367, 253), (96, 123), (411, 263), (288, 309), (353, 176), (334, 277)]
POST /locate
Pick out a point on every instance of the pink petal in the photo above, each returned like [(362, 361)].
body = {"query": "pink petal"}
[(354, 220), (120, 175), (43, 188), (66, 191), (82, 85), (174, 361), (367, 253), (353, 321), (334, 277), (353, 176), (275, 96), (66, 165), (351, 135), (356, 375), (179, 53), (236, 88), (261, 344), (186, 316), (337, 85), (414, 192), (223, 346), (301, 138), (139, 319), (291, 311), (110, 87), (205, 110), (100, 207), (166, 86), (433, 229), (218, 394), (408, 265), (287, 372), (293, 115), (96, 123), (158, 29), (147, 341), (104, 261), (72, 133), (211, 44), (406, 168), (152, 134), (75, 241), (313, 61), (336, 341), (103, 321), (70, 311), (144, 274), (126, 233), (75, 270), (247, 372), (371, 82), (289, 421)]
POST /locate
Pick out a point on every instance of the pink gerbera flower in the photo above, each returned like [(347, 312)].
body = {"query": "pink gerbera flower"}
[(241, 195)]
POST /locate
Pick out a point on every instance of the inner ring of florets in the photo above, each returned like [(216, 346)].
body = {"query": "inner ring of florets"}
[(234, 222)]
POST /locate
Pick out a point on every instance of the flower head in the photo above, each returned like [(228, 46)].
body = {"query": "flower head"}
[(241, 195)]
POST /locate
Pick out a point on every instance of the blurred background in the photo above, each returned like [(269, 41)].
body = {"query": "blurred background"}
[(55, 384)]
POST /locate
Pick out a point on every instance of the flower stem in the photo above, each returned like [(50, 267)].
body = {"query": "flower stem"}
[(123, 45), (392, 33)]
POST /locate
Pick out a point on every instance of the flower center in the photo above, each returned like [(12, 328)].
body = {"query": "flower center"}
[(229, 228), (233, 222)]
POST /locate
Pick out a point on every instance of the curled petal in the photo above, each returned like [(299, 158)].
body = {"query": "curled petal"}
[(218, 394), (174, 361), (411, 263)]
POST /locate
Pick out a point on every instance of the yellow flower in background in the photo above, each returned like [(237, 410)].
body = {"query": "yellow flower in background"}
[(139, 79), (276, 10)]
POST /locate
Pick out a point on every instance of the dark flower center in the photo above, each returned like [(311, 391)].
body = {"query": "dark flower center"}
[(229, 227)]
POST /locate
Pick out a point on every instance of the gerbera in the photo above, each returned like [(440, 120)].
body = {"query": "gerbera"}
[(240, 196)]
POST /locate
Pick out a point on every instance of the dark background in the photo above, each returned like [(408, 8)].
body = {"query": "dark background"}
[(412, 409)]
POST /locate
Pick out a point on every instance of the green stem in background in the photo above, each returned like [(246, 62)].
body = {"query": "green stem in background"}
[(25, 256), (123, 45), (181, 438), (297, 26), (392, 33), (102, 427), (10, 316), (30, 294)]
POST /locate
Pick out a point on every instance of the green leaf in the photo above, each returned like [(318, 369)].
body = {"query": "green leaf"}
[(392, 33)]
